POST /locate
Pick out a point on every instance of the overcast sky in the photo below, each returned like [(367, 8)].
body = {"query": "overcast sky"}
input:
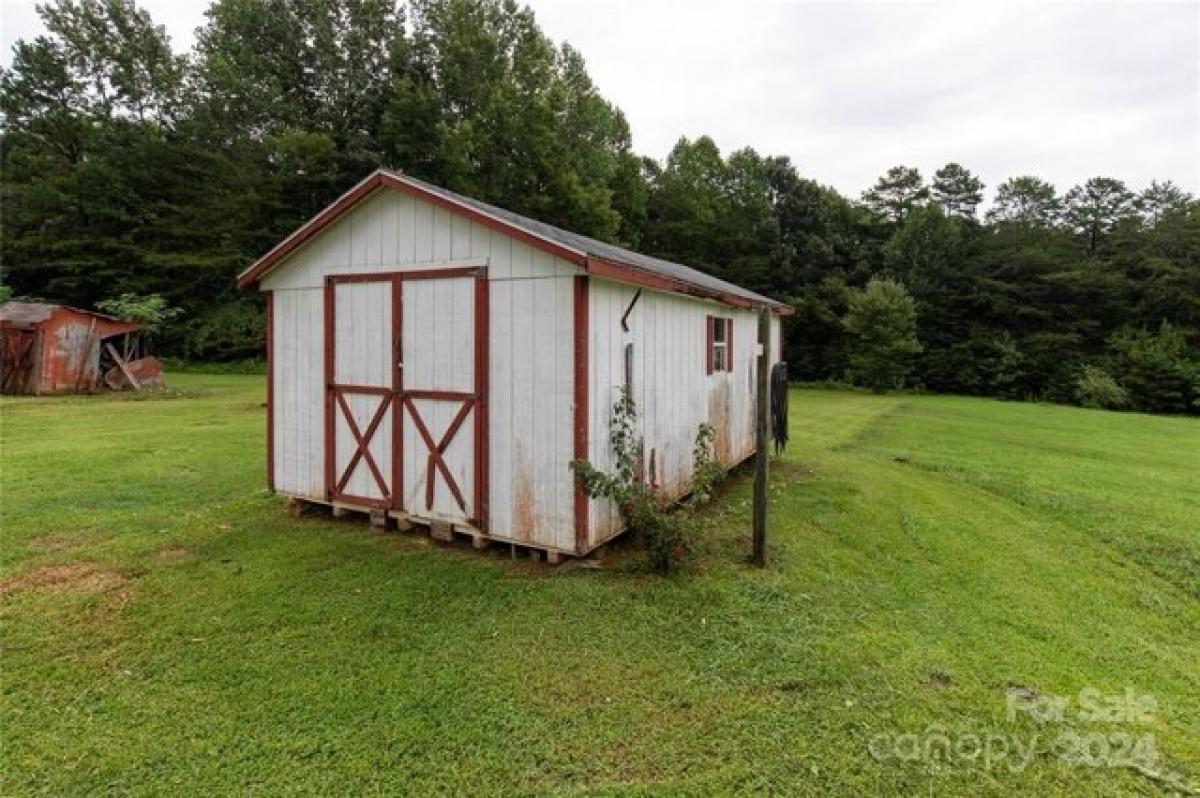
[(1063, 91)]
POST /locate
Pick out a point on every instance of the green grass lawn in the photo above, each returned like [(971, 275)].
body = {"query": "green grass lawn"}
[(167, 626)]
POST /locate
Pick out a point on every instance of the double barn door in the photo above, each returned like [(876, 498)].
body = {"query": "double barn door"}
[(405, 406)]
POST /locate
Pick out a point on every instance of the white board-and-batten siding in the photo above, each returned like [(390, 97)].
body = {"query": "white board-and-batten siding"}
[(530, 394), (671, 387), (530, 346)]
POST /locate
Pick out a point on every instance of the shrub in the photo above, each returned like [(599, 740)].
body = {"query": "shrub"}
[(149, 309), (234, 330), (1097, 389), (706, 471), (664, 537), (1159, 370)]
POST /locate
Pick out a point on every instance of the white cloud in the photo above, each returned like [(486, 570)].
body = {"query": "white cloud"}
[(1064, 91)]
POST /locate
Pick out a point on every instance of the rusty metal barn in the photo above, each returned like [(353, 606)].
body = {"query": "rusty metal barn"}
[(50, 349), (442, 361)]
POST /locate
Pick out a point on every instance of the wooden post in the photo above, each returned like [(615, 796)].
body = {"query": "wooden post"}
[(137, 386), (763, 399)]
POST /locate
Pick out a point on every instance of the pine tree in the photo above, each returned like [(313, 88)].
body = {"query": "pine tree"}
[(896, 193), (883, 320), (957, 190)]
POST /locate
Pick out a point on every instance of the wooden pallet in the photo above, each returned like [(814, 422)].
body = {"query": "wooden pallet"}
[(437, 530)]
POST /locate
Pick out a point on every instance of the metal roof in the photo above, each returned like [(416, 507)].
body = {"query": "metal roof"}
[(20, 314), (608, 260), (597, 249), (26, 312)]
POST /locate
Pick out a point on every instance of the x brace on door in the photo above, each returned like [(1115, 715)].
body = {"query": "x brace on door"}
[(362, 443), (436, 461), (396, 396)]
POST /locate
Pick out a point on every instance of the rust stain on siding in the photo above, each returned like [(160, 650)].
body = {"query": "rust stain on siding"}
[(718, 417), (524, 509), (53, 348)]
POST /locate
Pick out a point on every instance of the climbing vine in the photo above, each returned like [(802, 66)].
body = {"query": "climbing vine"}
[(706, 470), (665, 538)]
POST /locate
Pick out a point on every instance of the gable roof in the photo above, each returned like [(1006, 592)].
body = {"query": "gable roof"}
[(595, 257), (31, 314)]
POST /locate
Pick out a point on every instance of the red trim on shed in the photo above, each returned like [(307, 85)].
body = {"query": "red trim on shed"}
[(729, 344), (710, 331), (474, 215), (482, 379), (627, 274), (397, 393), (367, 187), (400, 400), (645, 279), (447, 273), (597, 266), (271, 390), (330, 466), (582, 372)]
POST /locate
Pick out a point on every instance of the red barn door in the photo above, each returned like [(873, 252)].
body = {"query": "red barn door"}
[(407, 412)]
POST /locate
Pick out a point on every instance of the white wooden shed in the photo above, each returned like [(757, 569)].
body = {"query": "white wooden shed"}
[(443, 360)]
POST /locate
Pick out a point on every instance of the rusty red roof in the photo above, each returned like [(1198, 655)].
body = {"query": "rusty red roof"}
[(29, 314)]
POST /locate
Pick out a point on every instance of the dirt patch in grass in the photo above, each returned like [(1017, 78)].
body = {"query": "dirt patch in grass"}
[(56, 579)]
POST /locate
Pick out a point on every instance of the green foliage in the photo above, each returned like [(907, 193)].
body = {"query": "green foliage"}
[(664, 536), (232, 331), (707, 471), (1095, 388), (896, 194), (174, 365), (1160, 371), (625, 444), (6, 293), (1025, 200), (1162, 200), (128, 168), (1094, 209), (957, 190), (485, 104), (713, 213), (151, 310), (883, 319), (666, 542), (145, 569)]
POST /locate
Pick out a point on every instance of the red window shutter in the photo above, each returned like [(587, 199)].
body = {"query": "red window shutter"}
[(729, 344), (711, 323)]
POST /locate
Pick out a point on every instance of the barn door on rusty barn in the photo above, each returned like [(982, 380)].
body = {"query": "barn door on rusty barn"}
[(18, 353), (361, 375), (443, 409)]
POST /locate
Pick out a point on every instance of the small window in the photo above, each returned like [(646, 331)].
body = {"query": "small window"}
[(720, 344)]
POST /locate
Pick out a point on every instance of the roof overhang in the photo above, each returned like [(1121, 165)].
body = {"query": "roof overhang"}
[(623, 273), (28, 315), (382, 179), (379, 180)]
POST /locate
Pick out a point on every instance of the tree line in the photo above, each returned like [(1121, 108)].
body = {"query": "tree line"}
[(131, 168)]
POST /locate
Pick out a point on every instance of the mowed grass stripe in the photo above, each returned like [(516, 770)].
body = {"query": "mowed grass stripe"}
[(929, 554)]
